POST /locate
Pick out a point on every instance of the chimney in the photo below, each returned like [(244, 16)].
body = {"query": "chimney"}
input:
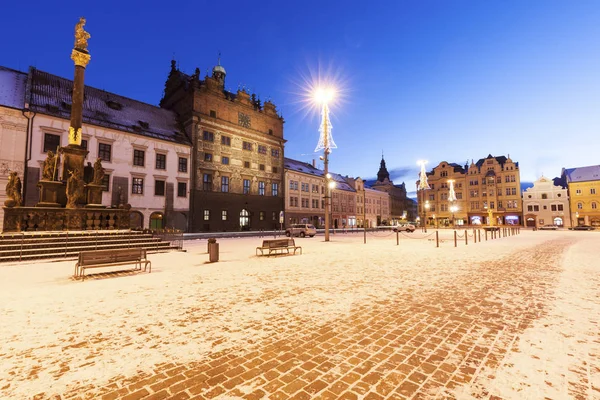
[(314, 163)]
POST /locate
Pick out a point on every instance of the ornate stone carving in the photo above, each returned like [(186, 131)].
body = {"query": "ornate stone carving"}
[(13, 190), (74, 189), (98, 172), (50, 167), (81, 36), (74, 136)]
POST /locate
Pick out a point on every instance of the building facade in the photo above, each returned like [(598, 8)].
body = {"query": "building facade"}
[(372, 206), (401, 207), (437, 208), (305, 199), (584, 194), (494, 183), (14, 118), (491, 184), (546, 204), (237, 163), (343, 203), (146, 157)]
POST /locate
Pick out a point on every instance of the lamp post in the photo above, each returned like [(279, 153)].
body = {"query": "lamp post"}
[(425, 212), (323, 96), (453, 209)]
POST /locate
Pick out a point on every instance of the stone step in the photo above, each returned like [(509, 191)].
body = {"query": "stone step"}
[(73, 253), (75, 241), (57, 247)]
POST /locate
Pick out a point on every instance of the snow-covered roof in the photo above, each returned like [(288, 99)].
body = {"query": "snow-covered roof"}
[(52, 95), (583, 174), (306, 168), (12, 88)]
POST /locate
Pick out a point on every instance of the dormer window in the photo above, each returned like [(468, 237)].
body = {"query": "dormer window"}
[(144, 124), (114, 105)]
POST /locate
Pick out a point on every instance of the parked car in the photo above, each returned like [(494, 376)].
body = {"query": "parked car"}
[(549, 227), (584, 228), (404, 228), (301, 230)]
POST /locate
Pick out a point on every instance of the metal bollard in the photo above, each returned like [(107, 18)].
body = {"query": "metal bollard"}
[(466, 238), (213, 250), (486, 235), (397, 238), (454, 238), (437, 239)]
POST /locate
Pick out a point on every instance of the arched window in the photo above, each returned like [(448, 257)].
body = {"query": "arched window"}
[(579, 206), (594, 205)]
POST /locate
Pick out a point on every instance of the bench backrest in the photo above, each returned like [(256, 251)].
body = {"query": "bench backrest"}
[(111, 256), (274, 243)]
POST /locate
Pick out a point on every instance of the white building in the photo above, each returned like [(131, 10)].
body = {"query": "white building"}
[(146, 156), (13, 128), (546, 204)]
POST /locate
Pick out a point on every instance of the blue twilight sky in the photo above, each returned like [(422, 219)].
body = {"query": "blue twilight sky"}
[(436, 80)]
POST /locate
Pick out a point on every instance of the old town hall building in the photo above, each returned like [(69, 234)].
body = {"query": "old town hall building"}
[(237, 161)]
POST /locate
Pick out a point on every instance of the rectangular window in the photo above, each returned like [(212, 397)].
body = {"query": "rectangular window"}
[(182, 164), (291, 201), (106, 182), (560, 207), (137, 186), (223, 215), (224, 160), (553, 207), (458, 195), (508, 191), (261, 167), (535, 208), (275, 170), (492, 205), (138, 157), (213, 114), (208, 157), (246, 164), (593, 191), (261, 215), (432, 186), (206, 215), (499, 203), (274, 216), (181, 189), (159, 188), (207, 182), (291, 185), (513, 191), (578, 191), (84, 144), (274, 189), (432, 197), (208, 136), (226, 140), (261, 188), (262, 149), (161, 161), (506, 178), (246, 186), (51, 142), (224, 184), (275, 153), (104, 151), (247, 146)]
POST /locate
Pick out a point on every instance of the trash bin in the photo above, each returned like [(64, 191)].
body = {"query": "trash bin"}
[(213, 250)]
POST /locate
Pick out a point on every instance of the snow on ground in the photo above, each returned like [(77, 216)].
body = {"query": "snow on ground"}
[(60, 334)]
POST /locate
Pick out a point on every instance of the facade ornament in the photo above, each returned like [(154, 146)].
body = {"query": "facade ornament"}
[(81, 36)]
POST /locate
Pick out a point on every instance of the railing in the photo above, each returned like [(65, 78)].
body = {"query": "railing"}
[(173, 236)]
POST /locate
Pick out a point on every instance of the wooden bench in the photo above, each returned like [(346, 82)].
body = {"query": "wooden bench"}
[(109, 258), (278, 246)]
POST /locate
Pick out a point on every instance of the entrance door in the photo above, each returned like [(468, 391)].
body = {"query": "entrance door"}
[(531, 222), (244, 220), (157, 220)]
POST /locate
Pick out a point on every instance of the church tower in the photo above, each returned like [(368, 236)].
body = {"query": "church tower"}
[(383, 176)]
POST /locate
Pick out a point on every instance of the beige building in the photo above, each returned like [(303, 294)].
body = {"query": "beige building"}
[(305, 191), (14, 120), (584, 194), (438, 207), (546, 204), (372, 206)]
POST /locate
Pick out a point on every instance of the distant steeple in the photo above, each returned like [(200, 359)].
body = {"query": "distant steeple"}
[(383, 173)]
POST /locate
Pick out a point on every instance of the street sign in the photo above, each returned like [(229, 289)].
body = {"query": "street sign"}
[(281, 217)]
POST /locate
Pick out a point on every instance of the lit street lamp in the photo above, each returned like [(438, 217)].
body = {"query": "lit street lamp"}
[(453, 209), (423, 185), (323, 96)]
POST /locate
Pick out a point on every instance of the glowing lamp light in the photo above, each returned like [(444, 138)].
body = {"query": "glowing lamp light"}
[(324, 95), (331, 185)]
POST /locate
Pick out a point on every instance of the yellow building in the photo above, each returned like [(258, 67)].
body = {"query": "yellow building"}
[(584, 194)]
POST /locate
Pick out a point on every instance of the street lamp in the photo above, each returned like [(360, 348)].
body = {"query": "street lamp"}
[(453, 209), (423, 185), (323, 96)]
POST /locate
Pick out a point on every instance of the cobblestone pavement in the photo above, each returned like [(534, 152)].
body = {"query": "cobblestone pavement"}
[(446, 340)]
